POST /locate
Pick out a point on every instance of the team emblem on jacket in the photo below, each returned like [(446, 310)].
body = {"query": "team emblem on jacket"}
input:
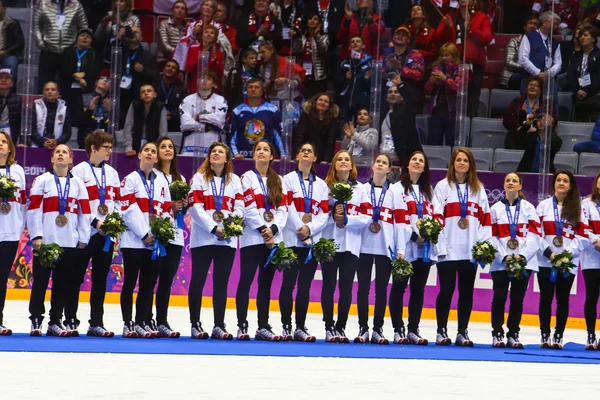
[(254, 130)]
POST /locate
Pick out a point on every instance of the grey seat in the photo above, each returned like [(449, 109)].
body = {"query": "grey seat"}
[(572, 133), (500, 99), (438, 156), (487, 132), (484, 103), (565, 106), (507, 160), (422, 123), (589, 164), (566, 161)]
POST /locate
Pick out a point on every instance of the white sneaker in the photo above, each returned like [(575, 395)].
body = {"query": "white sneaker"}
[(142, 332), (152, 328), (57, 329), (498, 340), (400, 336), (198, 332), (342, 335), (462, 339), (331, 335), (302, 335), (415, 338), (442, 338), (36, 327), (545, 342), (99, 331), (242, 333), (266, 334), (591, 342), (221, 334), (72, 326), (378, 338), (557, 341), (4, 331), (166, 331), (363, 335), (512, 341), (286, 333)]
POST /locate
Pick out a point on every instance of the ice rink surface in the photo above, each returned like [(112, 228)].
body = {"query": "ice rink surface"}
[(143, 376)]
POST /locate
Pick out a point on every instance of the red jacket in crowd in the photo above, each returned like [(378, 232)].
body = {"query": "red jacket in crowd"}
[(215, 63), (422, 40), (371, 32)]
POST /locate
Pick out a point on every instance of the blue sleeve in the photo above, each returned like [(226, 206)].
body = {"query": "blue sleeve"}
[(232, 139)]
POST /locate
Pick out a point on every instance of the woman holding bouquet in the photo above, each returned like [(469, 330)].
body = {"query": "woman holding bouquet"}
[(13, 201), (167, 167), (348, 218), (266, 216), (413, 198), (563, 228), (145, 197), (516, 236), (216, 194), (309, 211), (462, 208), (58, 212), (374, 248)]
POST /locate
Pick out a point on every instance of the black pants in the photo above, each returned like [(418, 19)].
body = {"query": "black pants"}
[(8, 251), (202, 257), (50, 65), (313, 87), (139, 262), (303, 275), (562, 288), (101, 262), (60, 280), (474, 91), (592, 290), (383, 269), (447, 272), (417, 296), (251, 259), (169, 268), (346, 263), (518, 288)]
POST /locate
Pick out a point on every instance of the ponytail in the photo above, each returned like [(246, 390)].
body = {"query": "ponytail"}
[(275, 188)]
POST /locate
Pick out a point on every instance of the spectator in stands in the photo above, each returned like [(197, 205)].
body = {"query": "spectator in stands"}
[(532, 142), (441, 88), (146, 120), (11, 106), (215, 59), (97, 111), (592, 146), (172, 92), (473, 29), (354, 79), (235, 85), (310, 44), (361, 141), (567, 10), (421, 33), (51, 125), (584, 76), (318, 125), (258, 27), (56, 24), (331, 13), (538, 55), (12, 42), (254, 120), (510, 78), (364, 23), (228, 30), (106, 32), (283, 79), (405, 68), (138, 67), (95, 10), (170, 32), (568, 48), (203, 116), (290, 14), (80, 69)]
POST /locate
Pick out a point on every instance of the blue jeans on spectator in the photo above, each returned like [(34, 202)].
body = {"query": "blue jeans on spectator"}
[(441, 126), (587, 147), (10, 62)]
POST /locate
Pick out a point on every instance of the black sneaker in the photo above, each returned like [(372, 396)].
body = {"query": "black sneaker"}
[(591, 342)]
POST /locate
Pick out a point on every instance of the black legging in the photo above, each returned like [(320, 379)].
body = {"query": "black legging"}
[(518, 288), (169, 268), (447, 272), (383, 269), (202, 257), (139, 262), (592, 290), (303, 274), (60, 279), (101, 262), (562, 288), (8, 250), (252, 258), (415, 302), (346, 263)]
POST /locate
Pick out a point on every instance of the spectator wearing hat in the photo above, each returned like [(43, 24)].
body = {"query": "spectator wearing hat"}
[(405, 67), (11, 106), (51, 124), (96, 109), (172, 92), (12, 42)]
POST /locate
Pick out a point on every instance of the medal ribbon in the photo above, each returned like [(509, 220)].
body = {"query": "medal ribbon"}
[(8, 176), (513, 223), (149, 190), (377, 208), (463, 200), (62, 201), (167, 94), (129, 60), (79, 57), (559, 223), (101, 189), (307, 198), (420, 202), (219, 198), (264, 189)]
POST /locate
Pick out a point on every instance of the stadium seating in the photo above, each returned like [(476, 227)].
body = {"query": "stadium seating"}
[(438, 156), (589, 164), (507, 160), (573, 132), (487, 132)]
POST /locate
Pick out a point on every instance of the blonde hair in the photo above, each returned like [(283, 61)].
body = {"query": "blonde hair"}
[(449, 48), (331, 174)]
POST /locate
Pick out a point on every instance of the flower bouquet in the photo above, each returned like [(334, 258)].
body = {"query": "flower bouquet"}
[(562, 263), (401, 269), (49, 254), (282, 257), (429, 230), (233, 227), (483, 253), (7, 191), (163, 231), (516, 266), (179, 191), (112, 226), (323, 250), (342, 193)]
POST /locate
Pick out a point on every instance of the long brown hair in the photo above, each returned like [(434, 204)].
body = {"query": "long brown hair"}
[(274, 62), (571, 211), (115, 8), (173, 168), (424, 181), (10, 160), (331, 174), (206, 171), (310, 107), (472, 179), (273, 180), (595, 195)]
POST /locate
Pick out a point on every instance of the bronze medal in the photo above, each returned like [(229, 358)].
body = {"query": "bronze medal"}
[(375, 227), (557, 241), (513, 243), (306, 218), (268, 216), (463, 223), (102, 209), (5, 208), (218, 216), (61, 220)]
